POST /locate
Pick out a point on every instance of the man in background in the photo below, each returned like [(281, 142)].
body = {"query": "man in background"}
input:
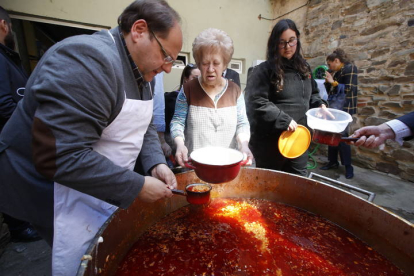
[(13, 79), (232, 75)]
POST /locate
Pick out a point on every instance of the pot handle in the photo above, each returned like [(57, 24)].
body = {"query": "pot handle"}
[(349, 139), (178, 192), (189, 165), (370, 195)]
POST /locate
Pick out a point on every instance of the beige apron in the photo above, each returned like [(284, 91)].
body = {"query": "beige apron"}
[(78, 216)]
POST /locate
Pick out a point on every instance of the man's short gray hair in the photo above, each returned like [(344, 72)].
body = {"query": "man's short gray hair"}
[(213, 39)]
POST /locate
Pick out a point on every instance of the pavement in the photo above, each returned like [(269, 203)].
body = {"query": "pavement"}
[(392, 193)]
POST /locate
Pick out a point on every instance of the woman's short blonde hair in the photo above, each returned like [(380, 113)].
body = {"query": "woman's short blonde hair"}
[(216, 40)]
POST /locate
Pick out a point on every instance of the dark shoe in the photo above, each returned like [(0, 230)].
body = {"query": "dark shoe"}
[(27, 235), (330, 165), (349, 172)]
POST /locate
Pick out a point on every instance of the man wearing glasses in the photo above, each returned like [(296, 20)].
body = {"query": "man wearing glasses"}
[(84, 122)]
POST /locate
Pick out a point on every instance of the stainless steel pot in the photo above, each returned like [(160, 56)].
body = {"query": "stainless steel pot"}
[(385, 232)]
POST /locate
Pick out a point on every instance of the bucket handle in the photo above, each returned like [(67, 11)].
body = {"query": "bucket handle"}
[(370, 195)]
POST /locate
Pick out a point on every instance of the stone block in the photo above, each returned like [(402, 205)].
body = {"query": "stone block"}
[(334, 44), (373, 30), (395, 90), (316, 61), (404, 155), (357, 8), (373, 3), (366, 111), (376, 99), (361, 55), (380, 62), (392, 104), (379, 53), (337, 24), (314, 2), (374, 121), (388, 168), (388, 114), (407, 176), (408, 97), (360, 22), (402, 53), (383, 88), (396, 63), (407, 103), (409, 70), (403, 80)]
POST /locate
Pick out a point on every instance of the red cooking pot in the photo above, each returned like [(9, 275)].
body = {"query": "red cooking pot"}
[(330, 138), (196, 193), (216, 164)]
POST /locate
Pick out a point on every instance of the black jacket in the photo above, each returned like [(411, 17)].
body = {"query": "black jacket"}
[(13, 79), (233, 76), (408, 119), (270, 112)]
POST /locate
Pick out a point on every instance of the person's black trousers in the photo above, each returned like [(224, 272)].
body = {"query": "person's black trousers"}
[(344, 151)]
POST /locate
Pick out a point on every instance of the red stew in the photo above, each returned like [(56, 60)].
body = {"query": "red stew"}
[(325, 137), (250, 237), (198, 193)]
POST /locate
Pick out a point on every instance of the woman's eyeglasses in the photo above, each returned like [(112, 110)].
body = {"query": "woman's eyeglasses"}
[(292, 42)]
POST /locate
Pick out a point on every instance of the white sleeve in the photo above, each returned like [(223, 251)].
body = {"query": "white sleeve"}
[(400, 129)]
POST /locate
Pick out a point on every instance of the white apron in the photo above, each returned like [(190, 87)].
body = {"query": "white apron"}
[(78, 216)]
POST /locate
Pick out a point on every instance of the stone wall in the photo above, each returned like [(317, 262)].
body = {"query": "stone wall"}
[(379, 36)]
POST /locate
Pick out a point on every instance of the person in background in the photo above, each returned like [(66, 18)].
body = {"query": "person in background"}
[(210, 110), (84, 122), (159, 111), (399, 130), (345, 74), (13, 79), (189, 73), (278, 93), (232, 75)]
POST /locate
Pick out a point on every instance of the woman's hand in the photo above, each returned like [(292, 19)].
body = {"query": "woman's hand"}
[(181, 154), (328, 77), (247, 154), (292, 125), (324, 113)]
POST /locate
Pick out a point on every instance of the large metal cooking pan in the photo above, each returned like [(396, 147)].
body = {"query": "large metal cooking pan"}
[(387, 233)]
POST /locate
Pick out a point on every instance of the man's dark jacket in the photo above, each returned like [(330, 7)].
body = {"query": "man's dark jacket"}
[(13, 79)]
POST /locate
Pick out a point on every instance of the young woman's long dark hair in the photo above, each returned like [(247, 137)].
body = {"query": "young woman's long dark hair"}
[(186, 73), (273, 55)]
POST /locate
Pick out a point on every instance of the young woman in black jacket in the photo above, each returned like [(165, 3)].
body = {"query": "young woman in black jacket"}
[(279, 91)]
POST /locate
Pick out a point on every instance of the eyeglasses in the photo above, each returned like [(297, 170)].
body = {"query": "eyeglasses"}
[(292, 42), (192, 65), (167, 58)]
